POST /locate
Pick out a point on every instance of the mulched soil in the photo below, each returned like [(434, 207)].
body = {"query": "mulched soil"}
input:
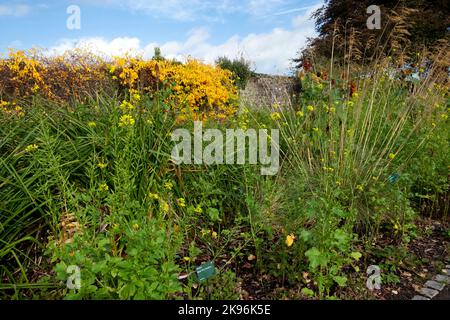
[(426, 256), (444, 295), (422, 259)]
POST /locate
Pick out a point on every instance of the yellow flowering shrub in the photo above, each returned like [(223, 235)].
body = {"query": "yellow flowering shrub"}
[(197, 91), (204, 91), (73, 75), (20, 74)]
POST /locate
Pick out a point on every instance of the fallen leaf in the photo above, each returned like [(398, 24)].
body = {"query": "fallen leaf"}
[(416, 287), (183, 276), (407, 274), (306, 277)]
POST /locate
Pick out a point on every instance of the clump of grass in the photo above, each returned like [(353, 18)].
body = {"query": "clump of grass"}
[(347, 148)]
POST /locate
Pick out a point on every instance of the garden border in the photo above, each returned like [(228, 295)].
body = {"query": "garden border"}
[(433, 287)]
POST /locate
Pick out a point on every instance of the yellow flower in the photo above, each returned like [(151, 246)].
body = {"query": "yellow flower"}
[(164, 206), (102, 165), (310, 108), (153, 196), (333, 110), (136, 97), (168, 185), (135, 226), (350, 103), (125, 105), (392, 156), (103, 187), (126, 120), (214, 234), (444, 116), (204, 232), (300, 114), (91, 124), (187, 259), (275, 116), (31, 147), (198, 209), (316, 129), (290, 240), (181, 202), (359, 187), (35, 88)]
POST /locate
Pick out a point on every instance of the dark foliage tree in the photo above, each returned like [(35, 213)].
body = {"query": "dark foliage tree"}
[(406, 25)]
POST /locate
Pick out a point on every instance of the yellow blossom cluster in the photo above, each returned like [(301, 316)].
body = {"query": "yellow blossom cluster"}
[(72, 75), (11, 108), (197, 91)]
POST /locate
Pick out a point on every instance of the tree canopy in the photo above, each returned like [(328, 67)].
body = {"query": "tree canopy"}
[(406, 25)]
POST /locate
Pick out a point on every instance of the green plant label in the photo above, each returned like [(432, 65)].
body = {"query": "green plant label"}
[(206, 271)]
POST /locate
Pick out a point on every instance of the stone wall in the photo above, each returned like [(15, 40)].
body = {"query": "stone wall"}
[(263, 91)]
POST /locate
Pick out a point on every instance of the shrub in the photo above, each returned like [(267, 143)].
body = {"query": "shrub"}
[(197, 90), (240, 68)]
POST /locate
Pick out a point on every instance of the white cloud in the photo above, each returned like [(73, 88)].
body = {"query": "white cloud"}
[(16, 10), (98, 45), (270, 52)]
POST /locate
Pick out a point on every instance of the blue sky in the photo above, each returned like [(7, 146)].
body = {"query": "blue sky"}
[(267, 32)]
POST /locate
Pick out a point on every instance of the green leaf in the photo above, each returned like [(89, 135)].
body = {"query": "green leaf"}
[(102, 243), (356, 255), (98, 267), (307, 292), (213, 214), (316, 258), (72, 296), (340, 280), (340, 235), (305, 235), (61, 271), (127, 291)]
